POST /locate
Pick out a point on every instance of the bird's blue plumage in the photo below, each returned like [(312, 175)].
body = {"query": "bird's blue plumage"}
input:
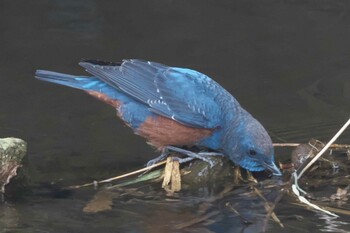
[(146, 90), (184, 95), (134, 112)]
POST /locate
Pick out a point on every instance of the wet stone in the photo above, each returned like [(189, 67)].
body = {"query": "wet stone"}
[(300, 154), (199, 173)]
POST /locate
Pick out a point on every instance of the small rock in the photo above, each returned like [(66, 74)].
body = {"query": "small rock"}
[(199, 173), (300, 154), (305, 151)]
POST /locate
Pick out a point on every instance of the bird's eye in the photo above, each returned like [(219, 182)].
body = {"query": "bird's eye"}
[(252, 152)]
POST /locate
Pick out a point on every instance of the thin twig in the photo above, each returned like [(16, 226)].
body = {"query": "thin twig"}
[(118, 177), (296, 190), (333, 146), (324, 148), (268, 208), (286, 144), (329, 208), (271, 210), (245, 221)]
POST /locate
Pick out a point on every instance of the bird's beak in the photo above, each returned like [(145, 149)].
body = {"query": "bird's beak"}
[(273, 168)]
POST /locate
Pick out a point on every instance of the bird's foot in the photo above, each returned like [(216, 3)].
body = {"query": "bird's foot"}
[(191, 155)]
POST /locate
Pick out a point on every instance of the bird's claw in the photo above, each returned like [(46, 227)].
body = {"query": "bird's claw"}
[(151, 162), (156, 160)]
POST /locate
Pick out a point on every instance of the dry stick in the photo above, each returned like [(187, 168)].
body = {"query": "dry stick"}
[(324, 148), (333, 146), (271, 213), (329, 208), (269, 209), (245, 221), (286, 144), (118, 177)]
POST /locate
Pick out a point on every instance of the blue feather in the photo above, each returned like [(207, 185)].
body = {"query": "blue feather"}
[(184, 95), (134, 112)]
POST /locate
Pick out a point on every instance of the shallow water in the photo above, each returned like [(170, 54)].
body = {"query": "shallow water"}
[(287, 62)]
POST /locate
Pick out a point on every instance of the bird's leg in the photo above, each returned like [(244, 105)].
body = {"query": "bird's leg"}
[(162, 156), (191, 155), (197, 155), (165, 153)]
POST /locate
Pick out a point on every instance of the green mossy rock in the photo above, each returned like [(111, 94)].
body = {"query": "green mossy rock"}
[(199, 173)]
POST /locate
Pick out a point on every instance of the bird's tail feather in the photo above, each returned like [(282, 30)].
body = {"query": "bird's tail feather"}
[(79, 82)]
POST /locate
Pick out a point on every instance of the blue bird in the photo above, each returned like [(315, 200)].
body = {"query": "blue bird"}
[(173, 107)]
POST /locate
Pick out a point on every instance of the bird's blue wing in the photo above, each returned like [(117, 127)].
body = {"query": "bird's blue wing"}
[(184, 95), (131, 76), (192, 96)]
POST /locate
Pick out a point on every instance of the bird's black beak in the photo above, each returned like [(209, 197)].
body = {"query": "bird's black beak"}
[(273, 168)]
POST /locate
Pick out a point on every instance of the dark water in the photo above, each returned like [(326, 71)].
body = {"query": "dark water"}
[(287, 62)]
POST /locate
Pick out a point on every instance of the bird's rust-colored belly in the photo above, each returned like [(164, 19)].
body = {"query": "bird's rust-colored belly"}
[(161, 131)]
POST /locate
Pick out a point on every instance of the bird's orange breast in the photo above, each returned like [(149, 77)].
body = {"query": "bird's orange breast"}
[(161, 131)]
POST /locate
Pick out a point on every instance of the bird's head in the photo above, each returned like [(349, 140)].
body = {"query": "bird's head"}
[(250, 146)]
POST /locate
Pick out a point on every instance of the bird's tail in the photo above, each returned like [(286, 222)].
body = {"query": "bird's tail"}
[(79, 82)]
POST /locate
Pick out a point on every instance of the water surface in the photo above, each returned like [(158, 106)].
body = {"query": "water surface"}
[(287, 62)]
